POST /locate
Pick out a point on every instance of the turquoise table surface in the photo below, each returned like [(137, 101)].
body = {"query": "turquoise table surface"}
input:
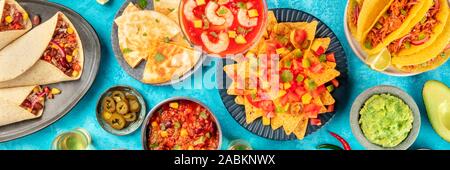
[(110, 74)]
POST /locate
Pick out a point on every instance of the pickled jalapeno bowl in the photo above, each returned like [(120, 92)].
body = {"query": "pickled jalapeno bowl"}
[(181, 123), (120, 110)]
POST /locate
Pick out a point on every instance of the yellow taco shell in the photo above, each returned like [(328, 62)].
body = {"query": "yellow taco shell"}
[(416, 13)]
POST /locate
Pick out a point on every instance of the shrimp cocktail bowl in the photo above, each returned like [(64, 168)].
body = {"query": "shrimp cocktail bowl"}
[(223, 27)]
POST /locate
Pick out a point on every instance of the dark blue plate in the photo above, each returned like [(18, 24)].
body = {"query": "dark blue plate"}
[(340, 94)]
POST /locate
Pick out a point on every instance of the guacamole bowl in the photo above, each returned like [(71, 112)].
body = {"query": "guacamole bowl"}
[(385, 118)]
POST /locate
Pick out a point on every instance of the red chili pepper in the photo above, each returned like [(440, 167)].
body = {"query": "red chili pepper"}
[(340, 139)]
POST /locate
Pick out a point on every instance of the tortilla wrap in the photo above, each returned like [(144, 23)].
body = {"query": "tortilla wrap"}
[(429, 65), (15, 60), (425, 55), (10, 101), (417, 12), (9, 36), (43, 72), (442, 17)]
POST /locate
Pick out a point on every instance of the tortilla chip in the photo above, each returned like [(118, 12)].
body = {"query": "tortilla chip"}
[(251, 113), (300, 129), (277, 121), (324, 77), (291, 121), (329, 65), (327, 98), (318, 102)]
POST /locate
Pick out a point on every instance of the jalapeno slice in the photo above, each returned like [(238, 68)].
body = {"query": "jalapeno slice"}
[(130, 117), (134, 106), (118, 96), (130, 97), (108, 104), (122, 107), (117, 121)]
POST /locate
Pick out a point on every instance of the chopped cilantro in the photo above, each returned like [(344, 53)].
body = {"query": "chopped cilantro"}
[(143, 3)]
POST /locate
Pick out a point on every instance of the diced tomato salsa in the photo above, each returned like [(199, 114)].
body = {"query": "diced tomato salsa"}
[(12, 18), (183, 125), (63, 49), (224, 26)]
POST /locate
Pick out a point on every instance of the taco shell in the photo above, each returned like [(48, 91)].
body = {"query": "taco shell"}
[(425, 55), (42, 72), (10, 101), (429, 65), (9, 36), (442, 18), (417, 12)]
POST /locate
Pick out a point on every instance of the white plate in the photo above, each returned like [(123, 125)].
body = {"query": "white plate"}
[(356, 47)]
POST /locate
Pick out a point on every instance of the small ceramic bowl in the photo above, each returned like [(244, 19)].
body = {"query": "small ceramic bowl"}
[(146, 126), (359, 103), (131, 127)]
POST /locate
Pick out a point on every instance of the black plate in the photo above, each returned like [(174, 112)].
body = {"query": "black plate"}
[(138, 71), (256, 127), (72, 91)]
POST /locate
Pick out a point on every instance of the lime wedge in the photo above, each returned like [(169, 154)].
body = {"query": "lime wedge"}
[(380, 61), (103, 2)]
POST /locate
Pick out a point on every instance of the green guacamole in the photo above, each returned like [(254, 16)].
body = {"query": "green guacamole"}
[(385, 120)]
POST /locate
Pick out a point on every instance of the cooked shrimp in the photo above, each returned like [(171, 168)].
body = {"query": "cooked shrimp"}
[(229, 17), (188, 10), (218, 47), (246, 21), (211, 14)]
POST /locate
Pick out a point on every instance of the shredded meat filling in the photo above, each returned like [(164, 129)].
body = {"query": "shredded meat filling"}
[(420, 33), (389, 22), (62, 50), (12, 18)]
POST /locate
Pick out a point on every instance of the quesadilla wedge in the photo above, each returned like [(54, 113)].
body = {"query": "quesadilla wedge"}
[(60, 57), (21, 103), (437, 47), (423, 33), (169, 8), (139, 30), (169, 61), (14, 22), (392, 23)]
